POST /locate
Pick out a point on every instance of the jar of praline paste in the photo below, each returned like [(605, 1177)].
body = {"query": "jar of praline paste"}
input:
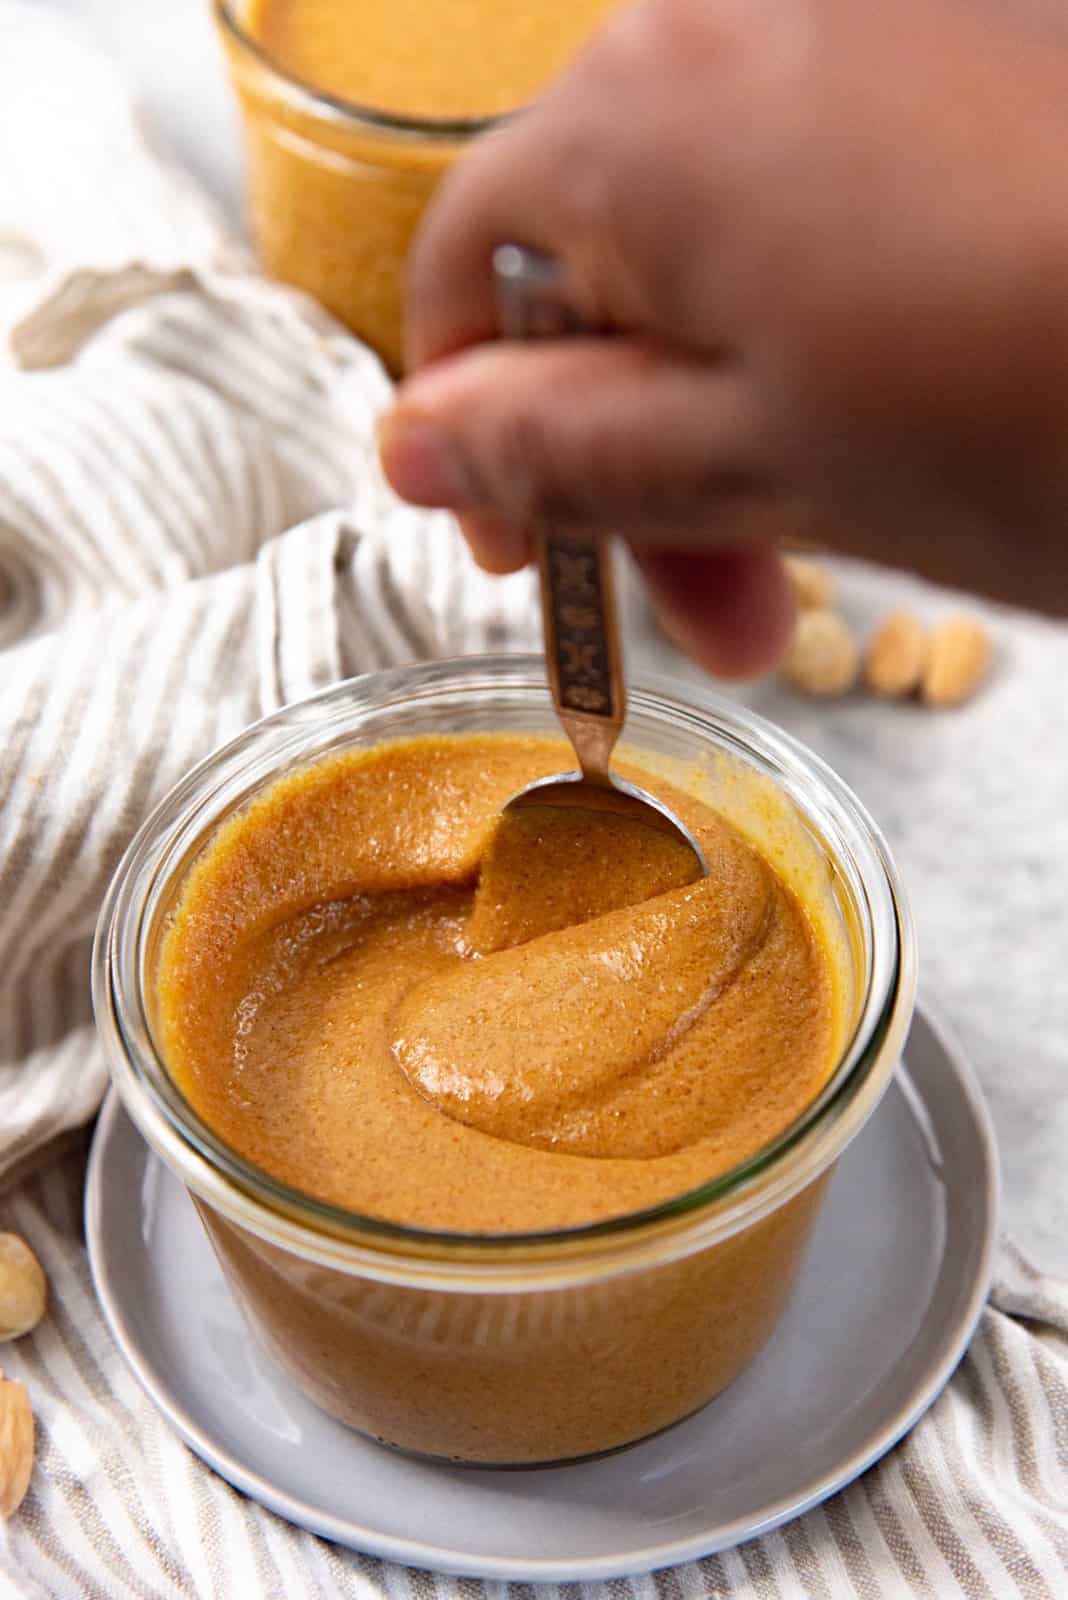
[(519, 1344), (352, 110)]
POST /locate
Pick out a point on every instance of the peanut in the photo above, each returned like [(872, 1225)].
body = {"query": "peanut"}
[(16, 1445), (823, 658), (813, 584), (23, 1289), (897, 655), (957, 662)]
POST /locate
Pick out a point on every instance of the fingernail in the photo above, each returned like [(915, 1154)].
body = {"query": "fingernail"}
[(422, 463)]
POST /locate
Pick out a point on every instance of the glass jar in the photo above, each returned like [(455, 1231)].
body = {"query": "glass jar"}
[(335, 191), (522, 1348)]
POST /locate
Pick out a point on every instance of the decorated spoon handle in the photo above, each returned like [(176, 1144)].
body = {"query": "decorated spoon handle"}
[(582, 642)]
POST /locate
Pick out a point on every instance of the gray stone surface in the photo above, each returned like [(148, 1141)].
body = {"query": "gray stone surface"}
[(170, 51)]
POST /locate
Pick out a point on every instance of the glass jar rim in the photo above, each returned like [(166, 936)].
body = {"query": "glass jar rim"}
[(338, 110), (334, 1235)]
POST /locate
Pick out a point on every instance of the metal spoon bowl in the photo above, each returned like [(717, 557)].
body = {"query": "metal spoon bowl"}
[(582, 639), (619, 798)]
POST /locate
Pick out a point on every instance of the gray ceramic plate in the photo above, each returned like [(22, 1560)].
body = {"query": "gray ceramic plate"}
[(895, 1280)]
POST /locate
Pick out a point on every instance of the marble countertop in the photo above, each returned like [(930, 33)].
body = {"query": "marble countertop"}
[(974, 802)]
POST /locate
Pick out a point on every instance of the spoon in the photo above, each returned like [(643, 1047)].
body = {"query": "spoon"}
[(582, 640)]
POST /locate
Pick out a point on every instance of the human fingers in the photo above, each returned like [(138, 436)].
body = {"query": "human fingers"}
[(498, 546), (586, 434), (601, 173), (732, 609)]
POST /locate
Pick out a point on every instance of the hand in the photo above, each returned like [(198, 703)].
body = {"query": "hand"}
[(830, 240)]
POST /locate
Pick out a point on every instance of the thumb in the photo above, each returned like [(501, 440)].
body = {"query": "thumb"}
[(588, 434)]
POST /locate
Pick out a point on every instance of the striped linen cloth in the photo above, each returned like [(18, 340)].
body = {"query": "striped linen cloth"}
[(193, 531)]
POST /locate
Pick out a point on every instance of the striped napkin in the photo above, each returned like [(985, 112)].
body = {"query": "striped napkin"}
[(193, 531)]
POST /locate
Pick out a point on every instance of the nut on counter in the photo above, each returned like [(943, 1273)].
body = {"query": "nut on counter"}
[(23, 1288), (943, 665), (16, 1446)]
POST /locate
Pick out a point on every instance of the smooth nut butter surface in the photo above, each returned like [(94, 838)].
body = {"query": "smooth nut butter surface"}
[(376, 996), (451, 58)]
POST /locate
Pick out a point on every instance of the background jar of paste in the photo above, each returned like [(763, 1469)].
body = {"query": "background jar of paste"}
[(336, 189), (537, 1347)]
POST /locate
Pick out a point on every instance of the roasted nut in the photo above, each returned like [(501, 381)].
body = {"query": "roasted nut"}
[(897, 655), (957, 661), (813, 584), (823, 658), (23, 1289), (16, 1445)]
